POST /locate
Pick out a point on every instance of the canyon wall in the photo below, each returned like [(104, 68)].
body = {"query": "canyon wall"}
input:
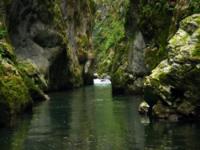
[(44, 46)]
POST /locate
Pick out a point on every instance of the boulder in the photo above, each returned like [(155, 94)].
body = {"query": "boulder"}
[(14, 93), (173, 86), (143, 108), (20, 85)]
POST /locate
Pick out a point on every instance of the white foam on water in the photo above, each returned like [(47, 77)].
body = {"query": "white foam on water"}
[(102, 82)]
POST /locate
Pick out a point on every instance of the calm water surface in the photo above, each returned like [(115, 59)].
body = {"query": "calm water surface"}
[(91, 119)]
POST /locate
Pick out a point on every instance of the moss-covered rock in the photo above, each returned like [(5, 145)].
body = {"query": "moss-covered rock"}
[(159, 21), (56, 36), (14, 93), (175, 81), (33, 79), (20, 83), (108, 32), (148, 27)]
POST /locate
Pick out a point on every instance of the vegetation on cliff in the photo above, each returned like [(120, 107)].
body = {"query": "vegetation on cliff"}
[(44, 46), (108, 31), (172, 88), (18, 88)]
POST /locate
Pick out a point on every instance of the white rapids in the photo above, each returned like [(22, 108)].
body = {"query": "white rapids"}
[(102, 82)]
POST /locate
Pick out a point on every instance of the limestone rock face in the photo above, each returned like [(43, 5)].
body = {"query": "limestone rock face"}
[(108, 32), (54, 35), (172, 87), (129, 66), (20, 83), (44, 45), (148, 27)]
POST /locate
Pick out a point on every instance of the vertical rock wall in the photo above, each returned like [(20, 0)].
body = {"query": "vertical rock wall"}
[(55, 35), (128, 73), (21, 83), (44, 45), (148, 27)]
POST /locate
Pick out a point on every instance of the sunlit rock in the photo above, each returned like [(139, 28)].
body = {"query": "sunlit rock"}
[(173, 86), (143, 108)]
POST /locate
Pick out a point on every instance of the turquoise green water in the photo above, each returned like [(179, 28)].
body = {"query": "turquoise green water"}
[(91, 119)]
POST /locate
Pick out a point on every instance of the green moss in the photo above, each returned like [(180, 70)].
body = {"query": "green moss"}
[(161, 71), (17, 84), (108, 32), (158, 21), (118, 78), (155, 19), (33, 80), (27, 68), (197, 51), (10, 80), (76, 80), (84, 48), (174, 81), (14, 93), (6, 51), (191, 20), (180, 38), (154, 55)]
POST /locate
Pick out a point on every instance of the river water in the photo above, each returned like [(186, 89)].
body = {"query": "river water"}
[(90, 118)]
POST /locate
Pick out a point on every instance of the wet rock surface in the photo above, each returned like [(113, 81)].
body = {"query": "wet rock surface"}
[(172, 87), (54, 35), (44, 46)]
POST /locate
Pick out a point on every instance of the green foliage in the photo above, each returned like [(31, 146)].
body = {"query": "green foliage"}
[(119, 70), (17, 84), (152, 8), (155, 19), (108, 31), (14, 92), (155, 22), (6, 51)]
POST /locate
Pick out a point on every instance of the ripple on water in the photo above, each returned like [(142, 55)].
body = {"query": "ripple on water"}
[(91, 118)]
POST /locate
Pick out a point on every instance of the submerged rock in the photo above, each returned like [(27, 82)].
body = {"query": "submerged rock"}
[(173, 86), (143, 108)]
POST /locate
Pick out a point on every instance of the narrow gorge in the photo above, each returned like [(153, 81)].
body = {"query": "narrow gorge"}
[(52, 50)]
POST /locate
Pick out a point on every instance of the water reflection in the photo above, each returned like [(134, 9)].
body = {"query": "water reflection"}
[(92, 119), (176, 136)]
